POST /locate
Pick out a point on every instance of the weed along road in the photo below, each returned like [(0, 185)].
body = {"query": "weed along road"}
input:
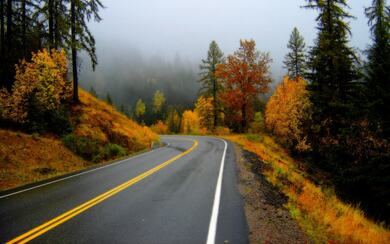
[(185, 192)]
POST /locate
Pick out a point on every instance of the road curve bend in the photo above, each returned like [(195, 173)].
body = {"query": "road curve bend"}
[(185, 192)]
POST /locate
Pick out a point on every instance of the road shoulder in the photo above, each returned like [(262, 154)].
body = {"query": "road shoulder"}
[(268, 220)]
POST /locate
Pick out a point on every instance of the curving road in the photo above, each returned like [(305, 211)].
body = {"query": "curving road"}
[(185, 192)]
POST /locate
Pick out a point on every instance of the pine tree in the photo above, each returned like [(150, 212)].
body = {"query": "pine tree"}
[(81, 11), (109, 99), (210, 86), (379, 66), (332, 74), (295, 60)]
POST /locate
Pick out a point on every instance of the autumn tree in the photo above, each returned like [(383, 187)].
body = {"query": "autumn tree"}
[(190, 123), (140, 108), (210, 85), (204, 109), (288, 111), (244, 76), (295, 60), (378, 15), (158, 101), (173, 120)]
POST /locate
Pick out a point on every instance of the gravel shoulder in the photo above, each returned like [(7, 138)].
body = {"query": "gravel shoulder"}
[(269, 221)]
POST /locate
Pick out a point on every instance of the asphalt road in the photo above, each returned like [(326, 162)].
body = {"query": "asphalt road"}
[(168, 195)]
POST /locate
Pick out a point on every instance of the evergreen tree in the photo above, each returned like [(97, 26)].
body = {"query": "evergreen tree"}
[(210, 86), (81, 11), (295, 60), (109, 99), (331, 76), (379, 66)]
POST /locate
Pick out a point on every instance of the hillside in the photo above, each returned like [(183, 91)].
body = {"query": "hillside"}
[(100, 133)]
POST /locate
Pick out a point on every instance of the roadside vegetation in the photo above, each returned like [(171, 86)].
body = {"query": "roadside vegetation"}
[(315, 206)]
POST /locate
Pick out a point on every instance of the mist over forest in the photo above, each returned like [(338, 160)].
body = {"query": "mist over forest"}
[(127, 74)]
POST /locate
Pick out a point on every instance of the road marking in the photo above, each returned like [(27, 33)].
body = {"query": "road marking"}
[(39, 230), (217, 198), (82, 173)]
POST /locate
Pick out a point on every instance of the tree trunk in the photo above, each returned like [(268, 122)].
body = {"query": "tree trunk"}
[(24, 48), (2, 40), (215, 102), (243, 119), (8, 66), (57, 40), (51, 24), (74, 52)]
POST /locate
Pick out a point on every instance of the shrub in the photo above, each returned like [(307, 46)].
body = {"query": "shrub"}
[(87, 148), (221, 131), (112, 150), (254, 137)]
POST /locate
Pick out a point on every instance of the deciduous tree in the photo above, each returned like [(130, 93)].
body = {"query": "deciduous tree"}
[(244, 76)]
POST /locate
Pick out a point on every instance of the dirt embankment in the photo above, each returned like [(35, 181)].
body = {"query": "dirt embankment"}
[(268, 220)]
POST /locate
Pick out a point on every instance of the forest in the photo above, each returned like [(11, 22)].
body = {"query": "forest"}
[(331, 110)]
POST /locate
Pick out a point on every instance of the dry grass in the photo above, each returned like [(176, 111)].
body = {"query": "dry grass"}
[(29, 158), (319, 212), (100, 121)]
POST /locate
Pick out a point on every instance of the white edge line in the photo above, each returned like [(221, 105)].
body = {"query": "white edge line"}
[(82, 173), (214, 215)]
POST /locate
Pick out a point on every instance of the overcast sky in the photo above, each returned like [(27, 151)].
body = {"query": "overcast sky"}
[(185, 27)]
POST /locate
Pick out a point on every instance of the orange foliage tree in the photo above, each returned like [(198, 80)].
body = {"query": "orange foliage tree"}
[(41, 81), (287, 111), (244, 75), (190, 123), (204, 107)]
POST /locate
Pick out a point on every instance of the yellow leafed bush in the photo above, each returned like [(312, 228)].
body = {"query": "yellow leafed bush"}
[(160, 128), (41, 81)]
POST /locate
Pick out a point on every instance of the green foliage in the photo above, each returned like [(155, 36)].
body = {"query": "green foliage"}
[(86, 148), (109, 99), (111, 151), (295, 60), (140, 108), (254, 137), (158, 101), (210, 84)]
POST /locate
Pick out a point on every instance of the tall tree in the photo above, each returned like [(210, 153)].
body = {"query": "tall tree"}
[(332, 74), (210, 86), (295, 60), (244, 76), (82, 11), (158, 101), (378, 15), (9, 47), (2, 42)]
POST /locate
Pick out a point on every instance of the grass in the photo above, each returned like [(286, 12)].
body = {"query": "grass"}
[(29, 158), (324, 217), (100, 134)]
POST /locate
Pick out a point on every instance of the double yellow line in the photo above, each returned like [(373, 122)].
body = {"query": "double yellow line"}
[(39, 230)]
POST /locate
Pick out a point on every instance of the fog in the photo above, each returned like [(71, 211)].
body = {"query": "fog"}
[(156, 40)]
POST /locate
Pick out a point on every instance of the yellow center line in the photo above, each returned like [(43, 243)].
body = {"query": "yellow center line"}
[(41, 229)]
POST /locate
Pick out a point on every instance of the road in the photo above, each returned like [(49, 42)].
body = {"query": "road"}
[(185, 192)]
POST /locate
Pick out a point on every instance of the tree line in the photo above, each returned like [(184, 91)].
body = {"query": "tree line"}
[(27, 26), (333, 108)]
